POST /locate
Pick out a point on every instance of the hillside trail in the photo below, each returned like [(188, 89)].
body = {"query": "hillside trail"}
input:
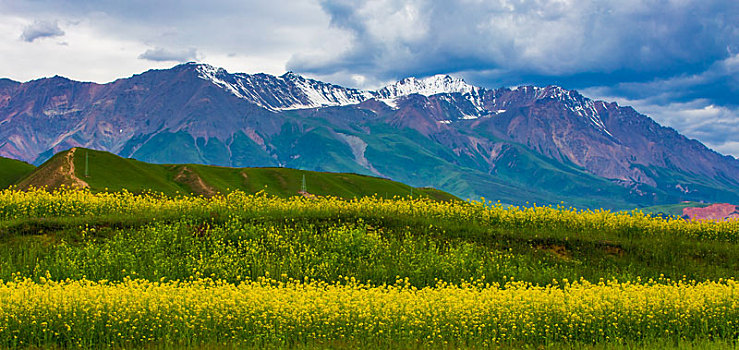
[(188, 177), (70, 163)]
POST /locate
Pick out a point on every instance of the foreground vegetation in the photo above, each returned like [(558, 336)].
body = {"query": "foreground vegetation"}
[(84, 313), (117, 269)]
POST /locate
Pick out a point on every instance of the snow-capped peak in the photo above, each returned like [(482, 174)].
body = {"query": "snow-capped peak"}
[(293, 91), (319, 94), (217, 76), (289, 91), (205, 68), (576, 103), (429, 86)]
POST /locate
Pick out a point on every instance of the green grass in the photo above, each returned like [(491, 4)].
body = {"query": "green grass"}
[(369, 248), (105, 171), (12, 170), (285, 182)]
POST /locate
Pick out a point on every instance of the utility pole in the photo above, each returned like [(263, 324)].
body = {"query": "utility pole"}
[(303, 187)]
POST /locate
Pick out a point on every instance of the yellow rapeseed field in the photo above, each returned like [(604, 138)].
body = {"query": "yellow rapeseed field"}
[(77, 203), (136, 311), (286, 311)]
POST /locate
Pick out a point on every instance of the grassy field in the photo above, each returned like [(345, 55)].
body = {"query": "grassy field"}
[(116, 269), (12, 170)]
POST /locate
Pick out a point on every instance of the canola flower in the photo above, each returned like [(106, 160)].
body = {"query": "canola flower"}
[(136, 312), (68, 202), (227, 234)]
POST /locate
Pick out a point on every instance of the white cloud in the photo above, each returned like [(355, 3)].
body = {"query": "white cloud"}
[(85, 54), (729, 148), (41, 29), (241, 36), (160, 54)]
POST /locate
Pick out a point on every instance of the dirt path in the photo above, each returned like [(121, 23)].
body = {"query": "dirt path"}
[(72, 177), (190, 179)]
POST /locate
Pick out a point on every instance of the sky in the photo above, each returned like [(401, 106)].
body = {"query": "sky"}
[(676, 61)]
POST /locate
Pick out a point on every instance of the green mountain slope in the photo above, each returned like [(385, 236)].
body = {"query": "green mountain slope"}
[(520, 175), (103, 171), (12, 170)]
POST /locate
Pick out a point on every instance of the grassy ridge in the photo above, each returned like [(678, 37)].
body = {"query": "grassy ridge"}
[(104, 171), (107, 170), (285, 182), (12, 170)]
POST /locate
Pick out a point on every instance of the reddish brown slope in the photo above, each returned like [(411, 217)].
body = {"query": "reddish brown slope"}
[(718, 211)]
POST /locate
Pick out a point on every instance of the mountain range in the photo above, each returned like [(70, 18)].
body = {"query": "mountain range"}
[(526, 144)]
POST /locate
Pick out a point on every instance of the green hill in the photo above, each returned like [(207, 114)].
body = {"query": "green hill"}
[(12, 170), (103, 171)]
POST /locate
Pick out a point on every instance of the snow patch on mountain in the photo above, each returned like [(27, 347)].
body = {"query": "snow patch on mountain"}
[(437, 84), (213, 74), (390, 102), (320, 94), (576, 103), (433, 85), (292, 91), (286, 92)]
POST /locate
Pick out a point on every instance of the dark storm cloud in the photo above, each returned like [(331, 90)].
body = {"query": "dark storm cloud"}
[(160, 54), (720, 81), (41, 29), (702, 106), (639, 40)]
